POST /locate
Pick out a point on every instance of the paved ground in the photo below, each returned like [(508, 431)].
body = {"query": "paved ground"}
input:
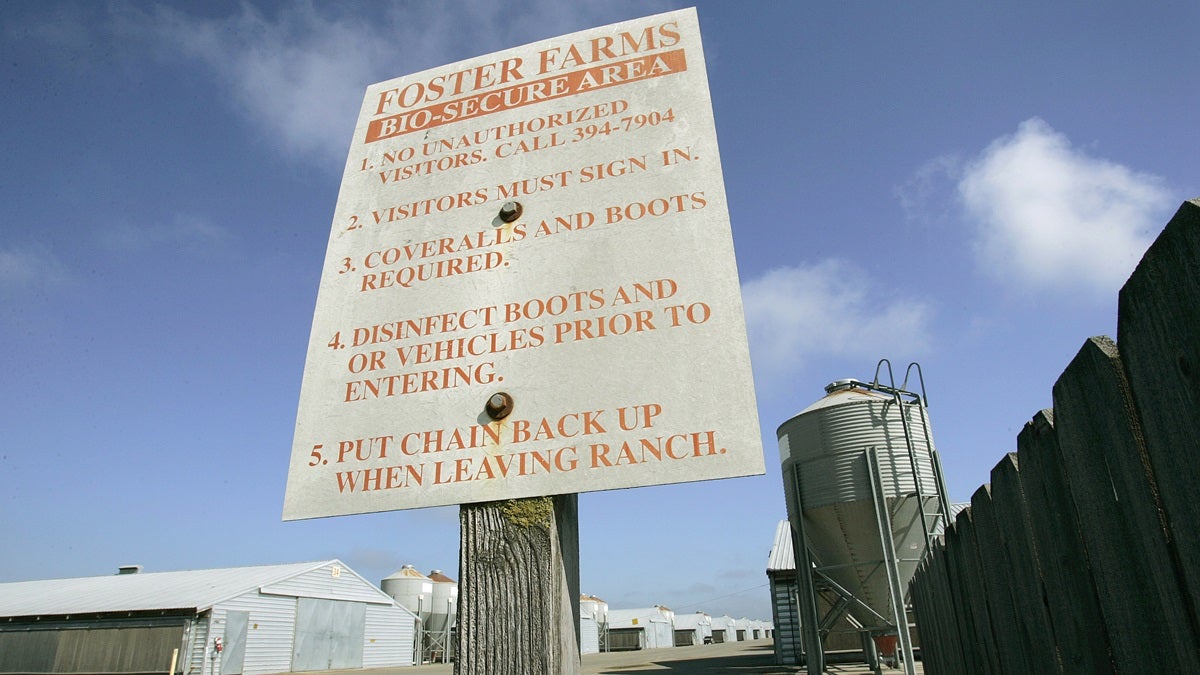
[(755, 657)]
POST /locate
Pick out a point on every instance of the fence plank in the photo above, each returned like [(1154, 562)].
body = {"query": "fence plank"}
[(961, 597), (925, 612), (1158, 329), (997, 584), (1099, 434), (1079, 631), (950, 623), (972, 602), (941, 645), (1020, 557)]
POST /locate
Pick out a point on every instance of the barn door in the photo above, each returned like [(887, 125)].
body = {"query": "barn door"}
[(233, 655), (329, 634)]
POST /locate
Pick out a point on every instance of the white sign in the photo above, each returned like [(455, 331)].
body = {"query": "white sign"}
[(608, 309)]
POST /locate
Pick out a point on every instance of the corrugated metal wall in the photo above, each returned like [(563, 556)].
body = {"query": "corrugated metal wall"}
[(685, 637), (194, 659), (269, 638), (625, 639), (785, 611), (27, 651), (389, 639), (91, 646), (589, 635)]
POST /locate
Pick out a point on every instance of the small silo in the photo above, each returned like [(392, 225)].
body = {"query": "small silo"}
[(414, 592), (593, 624), (411, 590), (864, 491), (443, 611), (595, 607)]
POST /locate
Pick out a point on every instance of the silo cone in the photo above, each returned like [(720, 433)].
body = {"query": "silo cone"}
[(836, 455)]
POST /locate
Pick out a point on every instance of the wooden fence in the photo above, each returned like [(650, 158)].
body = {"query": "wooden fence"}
[(1083, 553)]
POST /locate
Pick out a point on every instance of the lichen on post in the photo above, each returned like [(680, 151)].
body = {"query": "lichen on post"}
[(531, 512)]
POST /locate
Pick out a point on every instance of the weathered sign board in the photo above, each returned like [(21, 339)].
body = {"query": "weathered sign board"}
[(608, 309)]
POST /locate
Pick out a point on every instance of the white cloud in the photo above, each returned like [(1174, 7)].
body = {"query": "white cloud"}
[(29, 269), (17, 268), (300, 74), (1049, 216), (182, 231), (827, 309), (928, 196)]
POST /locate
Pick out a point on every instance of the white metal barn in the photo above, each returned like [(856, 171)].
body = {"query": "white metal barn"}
[(645, 628), (760, 629), (267, 619), (722, 629), (693, 629), (741, 628)]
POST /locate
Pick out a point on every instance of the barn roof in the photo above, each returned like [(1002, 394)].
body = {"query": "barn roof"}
[(782, 557), (195, 590)]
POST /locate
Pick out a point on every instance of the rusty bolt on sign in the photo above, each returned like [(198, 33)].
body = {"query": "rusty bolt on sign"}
[(510, 211), (499, 406)]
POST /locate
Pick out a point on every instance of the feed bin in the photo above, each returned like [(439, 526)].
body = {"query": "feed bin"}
[(410, 589), (414, 592), (443, 615), (865, 494)]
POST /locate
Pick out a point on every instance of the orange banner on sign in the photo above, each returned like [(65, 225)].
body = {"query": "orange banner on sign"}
[(528, 93)]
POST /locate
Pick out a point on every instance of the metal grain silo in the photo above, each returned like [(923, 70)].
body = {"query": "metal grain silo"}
[(443, 612), (411, 590), (864, 492), (593, 624), (593, 606), (414, 592)]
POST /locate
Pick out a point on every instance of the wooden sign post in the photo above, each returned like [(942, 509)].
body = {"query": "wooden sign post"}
[(523, 556), (529, 291)]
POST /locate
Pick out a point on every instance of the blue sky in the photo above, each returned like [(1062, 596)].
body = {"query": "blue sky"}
[(958, 184)]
